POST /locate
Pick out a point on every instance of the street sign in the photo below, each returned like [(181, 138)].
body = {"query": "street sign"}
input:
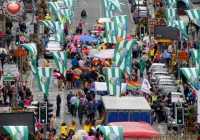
[(19, 52), (183, 55), (155, 21), (30, 29), (10, 72), (22, 38)]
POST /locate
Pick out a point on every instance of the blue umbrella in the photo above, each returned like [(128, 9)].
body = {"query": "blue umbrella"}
[(88, 38)]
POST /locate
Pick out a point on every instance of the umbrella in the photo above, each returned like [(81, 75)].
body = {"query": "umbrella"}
[(56, 74), (81, 132), (129, 37), (88, 38)]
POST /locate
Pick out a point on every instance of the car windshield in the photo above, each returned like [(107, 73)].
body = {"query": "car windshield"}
[(169, 89), (159, 74), (166, 82), (158, 66)]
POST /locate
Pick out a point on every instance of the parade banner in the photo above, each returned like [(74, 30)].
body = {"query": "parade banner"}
[(192, 75), (188, 3), (116, 4), (108, 13), (55, 7), (121, 51), (67, 14), (49, 24), (113, 81), (17, 132), (110, 32), (181, 25), (128, 62), (121, 22), (171, 3), (194, 15), (60, 59), (44, 78), (69, 4), (33, 51), (171, 16), (59, 28), (194, 54), (33, 68), (112, 132), (108, 53), (146, 86)]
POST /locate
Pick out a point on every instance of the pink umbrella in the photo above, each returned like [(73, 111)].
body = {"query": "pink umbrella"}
[(56, 74), (78, 37), (129, 37)]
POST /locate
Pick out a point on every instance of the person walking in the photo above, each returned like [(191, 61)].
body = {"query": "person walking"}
[(58, 102), (53, 124), (73, 107), (3, 58), (158, 111), (80, 27), (66, 26), (91, 110), (69, 96), (83, 15), (81, 110)]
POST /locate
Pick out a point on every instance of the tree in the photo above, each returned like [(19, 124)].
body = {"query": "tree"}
[(160, 12)]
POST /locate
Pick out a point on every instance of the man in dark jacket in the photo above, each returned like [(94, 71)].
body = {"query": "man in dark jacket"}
[(83, 15), (3, 58), (81, 110), (58, 102), (69, 96)]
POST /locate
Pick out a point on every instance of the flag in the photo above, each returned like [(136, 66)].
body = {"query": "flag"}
[(194, 54), (171, 16), (76, 103), (44, 77), (55, 7), (121, 51), (113, 81), (112, 132), (49, 24), (192, 75), (33, 68), (108, 13), (128, 62), (138, 85), (102, 118), (17, 132), (33, 51), (67, 14), (188, 3), (194, 15), (146, 86), (77, 73), (69, 4), (181, 25), (59, 28), (60, 59), (131, 85), (145, 57), (110, 32), (171, 3), (121, 22), (116, 4)]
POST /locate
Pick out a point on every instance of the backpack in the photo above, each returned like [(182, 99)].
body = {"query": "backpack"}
[(91, 109)]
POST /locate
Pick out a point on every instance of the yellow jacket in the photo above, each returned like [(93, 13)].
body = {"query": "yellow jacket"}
[(64, 20), (47, 17), (63, 130), (86, 128), (152, 52), (72, 127)]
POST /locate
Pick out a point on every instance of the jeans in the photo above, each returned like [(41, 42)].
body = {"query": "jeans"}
[(73, 110), (91, 117), (80, 116), (58, 110), (84, 19)]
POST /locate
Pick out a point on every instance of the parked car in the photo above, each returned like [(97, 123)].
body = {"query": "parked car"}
[(155, 75), (141, 14), (52, 46), (155, 66), (163, 83), (168, 88)]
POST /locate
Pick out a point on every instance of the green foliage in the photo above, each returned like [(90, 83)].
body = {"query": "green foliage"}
[(32, 137), (143, 21), (160, 12), (25, 65), (17, 108)]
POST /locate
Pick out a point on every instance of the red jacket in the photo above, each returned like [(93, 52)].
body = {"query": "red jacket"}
[(1, 35)]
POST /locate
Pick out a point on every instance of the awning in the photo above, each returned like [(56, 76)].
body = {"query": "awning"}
[(163, 40), (112, 132), (192, 75)]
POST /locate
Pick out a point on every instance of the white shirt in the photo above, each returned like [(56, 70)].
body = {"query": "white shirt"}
[(169, 48)]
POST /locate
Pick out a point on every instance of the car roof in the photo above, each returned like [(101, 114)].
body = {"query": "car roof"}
[(142, 8), (169, 86), (163, 72), (176, 93), (158, 64), (165, 77)]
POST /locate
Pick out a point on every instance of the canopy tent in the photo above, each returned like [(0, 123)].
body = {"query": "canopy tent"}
[(108, 53), (17, 132), (101, 86), (112, 132)]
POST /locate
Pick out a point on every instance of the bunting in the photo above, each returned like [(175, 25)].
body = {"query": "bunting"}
[(110, 32), (171, 15), (17, 132), (116, 4), (69, 4), (67, 14), (108, 13), (55, 7), (33, 51), (181, 25), (171, 3), (194, 15)]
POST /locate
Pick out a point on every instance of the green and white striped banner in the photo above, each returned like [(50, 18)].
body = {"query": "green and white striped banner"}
[(171, 15), (33, 50), (33, 67), (50, 24), (69, 4), (110, 32), (59, 27), (194, 16), (44, 78), (108, 12), (113, 81), (194, 54), (188, 3), (112, 132), (192, 75), (121, 51), (121, 22), (171, 3), (60, 59), (181, 25), (55, 7), (17, 132), (128, 63), (116, 4), (67, 14)]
